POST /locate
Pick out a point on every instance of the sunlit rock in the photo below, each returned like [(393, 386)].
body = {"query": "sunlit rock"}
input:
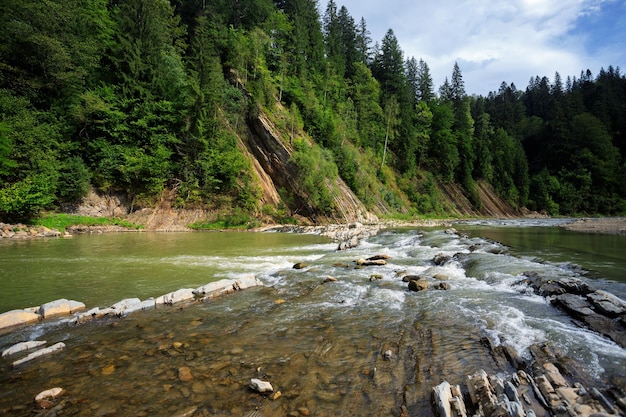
[(60, 307), (183, 294), (43, 399), (260, 386), (22, 346), (17, 317), (376, 262), (121, 307)]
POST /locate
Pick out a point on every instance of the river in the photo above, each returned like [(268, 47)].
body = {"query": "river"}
[(319, 344)]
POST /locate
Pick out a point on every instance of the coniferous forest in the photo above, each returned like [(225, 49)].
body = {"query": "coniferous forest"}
[(147, 96)]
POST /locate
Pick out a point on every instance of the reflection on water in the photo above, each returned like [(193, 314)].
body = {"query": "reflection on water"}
[(320, 344)]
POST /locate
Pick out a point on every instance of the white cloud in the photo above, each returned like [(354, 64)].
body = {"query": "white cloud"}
[(510, 41)]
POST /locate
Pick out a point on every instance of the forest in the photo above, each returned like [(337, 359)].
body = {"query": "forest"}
[(148, 96)]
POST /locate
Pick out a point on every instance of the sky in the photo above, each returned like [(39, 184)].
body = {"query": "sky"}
[(500, 40)]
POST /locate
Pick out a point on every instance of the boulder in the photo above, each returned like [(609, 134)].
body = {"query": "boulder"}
[(441, 258), (143, 305), (22, 346), (300, 265), (41, 352), (574, 304), (409, 278), (17, 317), (94, 313), (183, 294), (260, 386), (378, 257), (376, 262), (375, 277), (607, 303), (60, 307), (442, 286), (418, 285), (248, 281), (119, 308), (43, 398), (329, 279), (214, 289)]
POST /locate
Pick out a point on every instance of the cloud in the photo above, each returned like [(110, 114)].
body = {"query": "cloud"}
[(509, 41)]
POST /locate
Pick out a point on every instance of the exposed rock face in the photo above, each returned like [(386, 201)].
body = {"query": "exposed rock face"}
[(275, 170), (520, 394)]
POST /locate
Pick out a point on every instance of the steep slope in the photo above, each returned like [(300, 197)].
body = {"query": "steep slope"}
[(275, 171)]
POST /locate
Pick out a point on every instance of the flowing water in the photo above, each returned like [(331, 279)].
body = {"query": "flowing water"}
[(320, 344)]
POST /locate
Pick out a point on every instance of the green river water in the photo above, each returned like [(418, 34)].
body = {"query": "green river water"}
[(319, 344)]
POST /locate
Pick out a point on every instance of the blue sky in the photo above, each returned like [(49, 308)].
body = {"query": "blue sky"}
[(495, 41)]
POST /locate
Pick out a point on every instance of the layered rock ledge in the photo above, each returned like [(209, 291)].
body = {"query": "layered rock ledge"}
[(62, 307)]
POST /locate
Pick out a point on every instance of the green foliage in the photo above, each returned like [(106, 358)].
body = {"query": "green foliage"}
[(62, 221), (316, 171), (22, 200), (142, 95)]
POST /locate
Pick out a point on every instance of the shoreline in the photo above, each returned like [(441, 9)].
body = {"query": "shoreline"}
[(602, 225)]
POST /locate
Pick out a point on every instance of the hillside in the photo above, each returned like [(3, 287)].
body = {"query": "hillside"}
[(262, 111)]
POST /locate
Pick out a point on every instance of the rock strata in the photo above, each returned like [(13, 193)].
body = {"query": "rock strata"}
[(598, 310), (520, 394)]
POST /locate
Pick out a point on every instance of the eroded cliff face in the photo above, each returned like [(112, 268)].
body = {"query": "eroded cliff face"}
[(275, 171)]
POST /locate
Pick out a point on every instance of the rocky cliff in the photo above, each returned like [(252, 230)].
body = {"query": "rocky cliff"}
[(275, 171)]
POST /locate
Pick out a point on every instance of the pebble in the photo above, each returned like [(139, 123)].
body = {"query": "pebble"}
[(184, 374)]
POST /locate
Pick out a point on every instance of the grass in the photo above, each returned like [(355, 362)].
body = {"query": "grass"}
[(62, 221)]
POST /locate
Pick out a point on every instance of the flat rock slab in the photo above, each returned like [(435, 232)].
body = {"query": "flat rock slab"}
[(17, 317), (41, 352), (22, 346), (60, 307)]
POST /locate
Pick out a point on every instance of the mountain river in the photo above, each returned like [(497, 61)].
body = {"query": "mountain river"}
[(321, 344)]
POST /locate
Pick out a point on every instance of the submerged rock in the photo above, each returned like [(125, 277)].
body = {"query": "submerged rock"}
[(41, 352), (22, 346), (260, 386)]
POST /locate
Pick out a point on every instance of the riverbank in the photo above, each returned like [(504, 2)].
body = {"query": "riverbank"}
[(606, 225)]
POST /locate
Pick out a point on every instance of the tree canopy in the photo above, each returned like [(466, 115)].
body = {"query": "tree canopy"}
[(144, 96)]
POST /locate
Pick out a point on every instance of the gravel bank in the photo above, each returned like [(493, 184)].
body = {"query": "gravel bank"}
[(607, 225)]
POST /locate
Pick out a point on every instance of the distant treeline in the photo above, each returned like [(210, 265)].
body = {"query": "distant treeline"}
[(142, 96)]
